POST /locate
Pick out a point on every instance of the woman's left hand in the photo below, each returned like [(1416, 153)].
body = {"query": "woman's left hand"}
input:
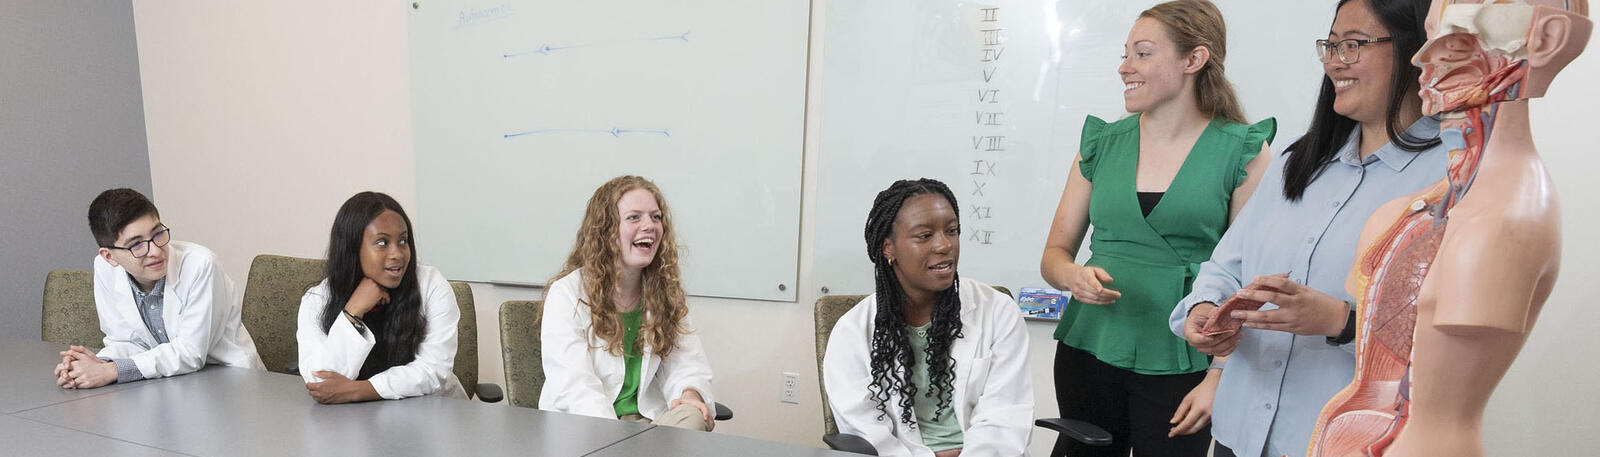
[(1195, 411), (1301, 310), (335, 389), (692, 398)]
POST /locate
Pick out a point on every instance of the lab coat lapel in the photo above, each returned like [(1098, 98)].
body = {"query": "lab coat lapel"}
[(116, 284), (964, 350), (171, 303)]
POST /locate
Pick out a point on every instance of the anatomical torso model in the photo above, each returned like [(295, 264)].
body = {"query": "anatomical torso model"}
[(1451, 279)]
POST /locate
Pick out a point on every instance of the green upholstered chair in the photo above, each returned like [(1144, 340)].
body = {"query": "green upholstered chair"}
[(827, 312), (520, 351), (68, 315), (466, 363), (271, 306), (524, 360)]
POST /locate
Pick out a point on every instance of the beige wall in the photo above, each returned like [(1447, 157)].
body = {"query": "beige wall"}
[(262, 118), (265, 116)]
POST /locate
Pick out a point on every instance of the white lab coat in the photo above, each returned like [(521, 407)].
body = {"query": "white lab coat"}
[(198, 308), (993, 395), (581, 377), (343, 349)]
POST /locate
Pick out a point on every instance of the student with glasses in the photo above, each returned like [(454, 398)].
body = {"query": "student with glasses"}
[(165, 306), (1368, 144)]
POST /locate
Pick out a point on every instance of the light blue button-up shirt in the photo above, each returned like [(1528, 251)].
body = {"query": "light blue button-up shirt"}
[(1275, 383)]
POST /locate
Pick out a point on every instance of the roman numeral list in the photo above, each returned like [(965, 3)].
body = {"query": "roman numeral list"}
[(988, 128)]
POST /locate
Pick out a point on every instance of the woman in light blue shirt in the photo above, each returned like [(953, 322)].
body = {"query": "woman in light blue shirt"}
[(1292, 356)]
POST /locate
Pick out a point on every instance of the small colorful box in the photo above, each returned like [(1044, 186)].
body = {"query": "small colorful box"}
[(1042, 302)]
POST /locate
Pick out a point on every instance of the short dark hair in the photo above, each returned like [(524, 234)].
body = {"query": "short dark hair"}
[(113, 210)]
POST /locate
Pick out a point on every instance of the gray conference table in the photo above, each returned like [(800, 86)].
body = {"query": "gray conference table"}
[(28, 438), (25, 374), (238, 412), (668, 441)]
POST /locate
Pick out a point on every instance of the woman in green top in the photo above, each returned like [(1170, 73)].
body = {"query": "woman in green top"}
[(1159, 188), (615, 333)]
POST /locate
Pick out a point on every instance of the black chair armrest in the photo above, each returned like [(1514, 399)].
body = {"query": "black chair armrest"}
[(723, 412), (490, 393), (1080, 431), (849, 443)]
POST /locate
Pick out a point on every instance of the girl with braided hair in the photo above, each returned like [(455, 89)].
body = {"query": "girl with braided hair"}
[(930, 364), (616, 336)]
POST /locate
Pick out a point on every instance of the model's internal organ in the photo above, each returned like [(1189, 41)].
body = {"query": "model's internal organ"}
[(1458, 74), (1365, 417)]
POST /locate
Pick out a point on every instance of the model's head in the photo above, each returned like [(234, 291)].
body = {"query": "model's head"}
[(1480, 53)]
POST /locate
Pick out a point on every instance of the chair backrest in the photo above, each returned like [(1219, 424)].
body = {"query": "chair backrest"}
[(271, 306), (466, 367), (68, 315), (520, 351), (828, 311)]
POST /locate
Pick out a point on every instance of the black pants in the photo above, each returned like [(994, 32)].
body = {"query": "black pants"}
[(1135, 408), (1219, 450)]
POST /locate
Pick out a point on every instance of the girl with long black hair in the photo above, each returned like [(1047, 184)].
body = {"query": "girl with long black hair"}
[(380, 326), (930, 364)]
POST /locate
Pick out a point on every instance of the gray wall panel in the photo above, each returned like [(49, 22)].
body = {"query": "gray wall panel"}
[(71, 125)]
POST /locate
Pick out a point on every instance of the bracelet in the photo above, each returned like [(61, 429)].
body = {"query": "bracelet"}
[(1216, 364), (1349, 333), (359, 324)]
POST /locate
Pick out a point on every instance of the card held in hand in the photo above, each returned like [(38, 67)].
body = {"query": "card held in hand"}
[(1222, 321)]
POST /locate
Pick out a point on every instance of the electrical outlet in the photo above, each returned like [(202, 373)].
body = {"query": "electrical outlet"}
[(788, 390)]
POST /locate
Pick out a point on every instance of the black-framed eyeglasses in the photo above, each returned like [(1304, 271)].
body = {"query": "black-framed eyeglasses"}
[(1349, 51), (141, 249)]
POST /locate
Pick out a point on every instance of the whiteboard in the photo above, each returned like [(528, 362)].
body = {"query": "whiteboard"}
[(990, 98), (522, 108)]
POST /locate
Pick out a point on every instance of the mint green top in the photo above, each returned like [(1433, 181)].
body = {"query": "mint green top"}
[(1153, 260), (628, 400), (945, 431)]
